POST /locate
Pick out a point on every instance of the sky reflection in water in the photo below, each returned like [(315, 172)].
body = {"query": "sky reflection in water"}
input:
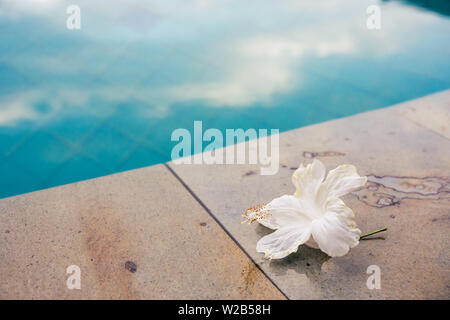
[(81, 104)]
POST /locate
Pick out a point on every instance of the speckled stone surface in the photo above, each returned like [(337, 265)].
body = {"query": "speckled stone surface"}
[(407, 159), (135, 235), (431, 112)]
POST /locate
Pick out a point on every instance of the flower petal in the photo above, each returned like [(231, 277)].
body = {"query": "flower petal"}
[(338, 206), (283, 211), (336, 231), (341, 181), (284, 241), (307, 180)]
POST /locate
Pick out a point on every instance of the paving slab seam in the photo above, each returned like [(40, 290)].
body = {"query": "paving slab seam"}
[(203, 205), (441, 99), (422, 126)]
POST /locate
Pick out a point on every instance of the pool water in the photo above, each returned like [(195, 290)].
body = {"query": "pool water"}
[(79, 104)]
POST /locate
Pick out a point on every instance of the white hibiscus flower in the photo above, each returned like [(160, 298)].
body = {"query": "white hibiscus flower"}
[(315, 211)]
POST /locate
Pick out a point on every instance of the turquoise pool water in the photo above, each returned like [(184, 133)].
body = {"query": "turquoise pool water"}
[(78, 104)]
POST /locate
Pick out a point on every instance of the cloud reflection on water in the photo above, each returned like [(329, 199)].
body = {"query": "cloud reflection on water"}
[(241, 53)]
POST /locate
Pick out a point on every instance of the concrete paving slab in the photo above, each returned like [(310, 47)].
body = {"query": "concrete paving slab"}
[(431, 112), (408, 167), (134, 235)]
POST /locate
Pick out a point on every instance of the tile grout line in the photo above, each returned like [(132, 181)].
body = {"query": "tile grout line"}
[(191, 192)]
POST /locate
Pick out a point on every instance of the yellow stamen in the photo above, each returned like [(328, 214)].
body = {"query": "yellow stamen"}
[(256, 213)]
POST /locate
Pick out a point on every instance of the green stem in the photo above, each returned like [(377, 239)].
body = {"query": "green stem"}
[(372, 233)]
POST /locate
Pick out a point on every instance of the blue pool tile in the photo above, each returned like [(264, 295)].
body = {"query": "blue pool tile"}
[(75, 169), (40, 154), (108, 146), (141, 157), (75, 126), (16, 180), (378, 78), (11, 139)]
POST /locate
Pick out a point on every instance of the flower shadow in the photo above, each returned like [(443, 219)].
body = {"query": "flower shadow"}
[(306, 260)]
